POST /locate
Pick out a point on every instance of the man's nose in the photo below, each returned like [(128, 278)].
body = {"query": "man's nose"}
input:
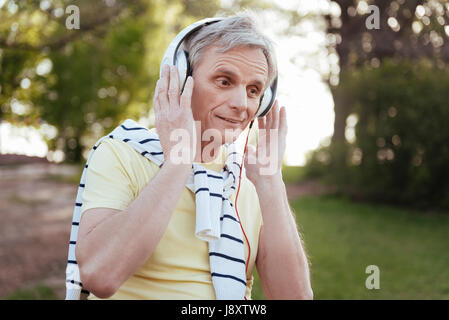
[(239, 101)]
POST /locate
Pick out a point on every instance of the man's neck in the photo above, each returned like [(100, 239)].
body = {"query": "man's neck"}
[(208, 153)]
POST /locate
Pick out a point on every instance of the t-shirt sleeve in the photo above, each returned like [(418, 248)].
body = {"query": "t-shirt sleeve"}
[(109, 182)]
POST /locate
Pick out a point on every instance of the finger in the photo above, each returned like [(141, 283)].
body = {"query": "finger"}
[(283, 120), (269, 124), (156, 105), (162, 89), (155, 94), (173, 89), (261, 123), (275, 116), (186, 97), (268, 119), (262, 132), (275, 125), (260, 127), (157, 113)]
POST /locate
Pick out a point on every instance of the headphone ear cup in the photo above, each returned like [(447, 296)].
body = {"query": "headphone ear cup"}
[(268, 99), (266, 103), (183, 66)]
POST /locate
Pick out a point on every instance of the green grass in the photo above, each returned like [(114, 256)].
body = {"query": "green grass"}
[(40, 292), (342, 238), (293, 174)]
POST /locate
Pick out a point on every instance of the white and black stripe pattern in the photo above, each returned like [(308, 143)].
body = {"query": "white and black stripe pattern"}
[(216, 218)]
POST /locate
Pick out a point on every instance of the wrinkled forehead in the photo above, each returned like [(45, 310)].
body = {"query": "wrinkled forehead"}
[(246, 61)]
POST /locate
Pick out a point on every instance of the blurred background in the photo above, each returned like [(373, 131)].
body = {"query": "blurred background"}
[(365, 84)]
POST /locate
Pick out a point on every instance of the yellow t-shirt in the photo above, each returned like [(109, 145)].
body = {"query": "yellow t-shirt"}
[(179, 266)]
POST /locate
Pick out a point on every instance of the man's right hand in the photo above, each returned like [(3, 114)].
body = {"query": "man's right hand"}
[(174, 120)]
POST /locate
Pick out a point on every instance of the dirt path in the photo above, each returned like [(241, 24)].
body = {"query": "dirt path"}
[(35, 215), (36, 205)]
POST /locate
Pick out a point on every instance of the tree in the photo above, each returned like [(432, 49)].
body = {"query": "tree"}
[(390, 135), (85, 81), (408, 29)]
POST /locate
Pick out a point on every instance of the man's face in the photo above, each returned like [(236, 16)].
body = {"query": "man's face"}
[(228, 87)]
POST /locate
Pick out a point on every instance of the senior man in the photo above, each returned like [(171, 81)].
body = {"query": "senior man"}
[(138, 233)]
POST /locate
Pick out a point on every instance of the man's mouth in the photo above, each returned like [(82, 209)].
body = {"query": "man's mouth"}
[(230, 120)]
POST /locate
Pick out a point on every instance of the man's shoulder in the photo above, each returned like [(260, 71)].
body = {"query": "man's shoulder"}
[(116, 174), (117, 144), (119, 149), (115, 153), (120, 145)]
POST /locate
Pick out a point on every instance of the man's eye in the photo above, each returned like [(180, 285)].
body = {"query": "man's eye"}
[(253, 92), (223, 82)]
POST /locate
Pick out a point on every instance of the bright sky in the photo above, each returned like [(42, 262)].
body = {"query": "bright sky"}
[(301, 60), (21, 140)]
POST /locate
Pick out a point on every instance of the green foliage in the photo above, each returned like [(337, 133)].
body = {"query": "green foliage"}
[(95, 82), (293, 174), (99, 75), (400, 153), (40, 292)]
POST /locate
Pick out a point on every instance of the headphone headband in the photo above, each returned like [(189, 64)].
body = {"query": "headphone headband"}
[(179, 58), (170, 55)]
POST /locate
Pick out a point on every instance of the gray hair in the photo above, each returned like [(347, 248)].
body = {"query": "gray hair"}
[(231, 32)]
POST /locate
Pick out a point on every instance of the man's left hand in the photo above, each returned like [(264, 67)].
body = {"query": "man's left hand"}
[(264, 162)]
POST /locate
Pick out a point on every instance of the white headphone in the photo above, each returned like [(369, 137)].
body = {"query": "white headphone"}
[(178, 58)]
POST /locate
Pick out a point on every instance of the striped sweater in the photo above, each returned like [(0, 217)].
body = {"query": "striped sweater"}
[(216, 219)]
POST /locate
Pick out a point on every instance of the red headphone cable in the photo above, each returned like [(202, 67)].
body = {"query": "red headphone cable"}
[(236, 210)]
